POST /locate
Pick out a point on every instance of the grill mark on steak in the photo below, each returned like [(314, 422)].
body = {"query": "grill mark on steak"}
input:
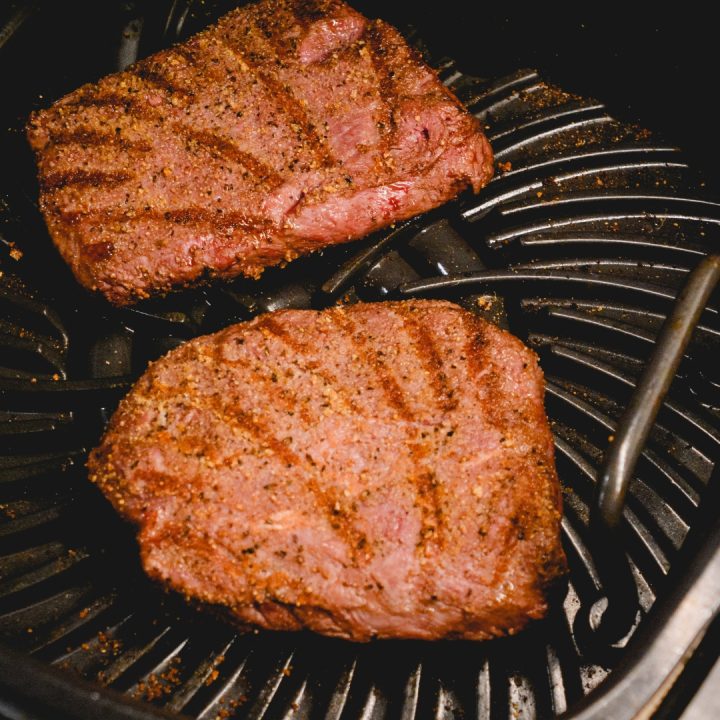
[(288, 399), (430, 497), (474, 345), (284, 99), (477, 356), (185, 51), (178, 216), (279, 45), (326, 499), (428, 492), (98, 251), (423, 345), (246, 424), (218, 146), (152, 75), (54, 182), (139, 109), (307, 12), (268, 323), (215, 219), (368, 356), (91, 137), (386, 84), (93, 97), (478, 353), (228, 150)]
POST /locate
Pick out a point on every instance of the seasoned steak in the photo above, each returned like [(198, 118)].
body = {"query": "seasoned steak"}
[(378, 470), (286, 127)]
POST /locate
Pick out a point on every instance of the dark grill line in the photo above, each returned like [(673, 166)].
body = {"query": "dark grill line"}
[(305, 12), (427, 491), (219, 146), (153, 76), (275, 328), (83, 178), (226, 149), (475, 343), (87, 136), (128, 106), (368, 357), (326, 500), (93, 97), (430, 497), (272, 30), (388, 94), (281, 95), (289, 401), (179, 216), (478, 360), (187, 55), (427, 353)]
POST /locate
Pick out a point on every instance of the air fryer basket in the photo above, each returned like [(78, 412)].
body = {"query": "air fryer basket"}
[(579, 245)]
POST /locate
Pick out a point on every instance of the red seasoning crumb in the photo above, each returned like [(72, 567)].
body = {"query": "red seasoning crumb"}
[(212, 677)]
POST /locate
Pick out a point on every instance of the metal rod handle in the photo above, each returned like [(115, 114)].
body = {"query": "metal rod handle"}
[(639, 417), (625, 449)]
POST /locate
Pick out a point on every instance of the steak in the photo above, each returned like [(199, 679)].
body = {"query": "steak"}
[(287, 126), (376, 470)]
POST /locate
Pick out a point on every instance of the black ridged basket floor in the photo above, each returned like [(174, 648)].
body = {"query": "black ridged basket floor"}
[(586, 233)]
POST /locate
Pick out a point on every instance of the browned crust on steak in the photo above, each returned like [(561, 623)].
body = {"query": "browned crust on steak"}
[(381, 470), (317, 123)]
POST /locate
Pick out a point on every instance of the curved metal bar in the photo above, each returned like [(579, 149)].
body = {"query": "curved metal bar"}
[(664, 643), (627, 445)]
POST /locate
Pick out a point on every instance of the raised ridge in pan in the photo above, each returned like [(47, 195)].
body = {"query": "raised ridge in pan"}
[(579, 244)]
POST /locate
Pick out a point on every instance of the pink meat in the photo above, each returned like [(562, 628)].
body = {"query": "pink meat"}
[(285, 127), (381, 470)]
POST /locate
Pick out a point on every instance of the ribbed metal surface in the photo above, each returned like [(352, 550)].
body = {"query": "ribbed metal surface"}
[(586, 233)]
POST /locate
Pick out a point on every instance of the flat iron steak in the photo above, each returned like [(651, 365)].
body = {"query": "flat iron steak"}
[(375, 470), (285, 127)]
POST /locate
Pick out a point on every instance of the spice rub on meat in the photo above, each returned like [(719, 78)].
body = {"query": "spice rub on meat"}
[(285, 127), (375, 470)]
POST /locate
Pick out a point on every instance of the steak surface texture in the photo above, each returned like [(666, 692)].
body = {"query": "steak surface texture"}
[(285, 127), (375, 470)]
